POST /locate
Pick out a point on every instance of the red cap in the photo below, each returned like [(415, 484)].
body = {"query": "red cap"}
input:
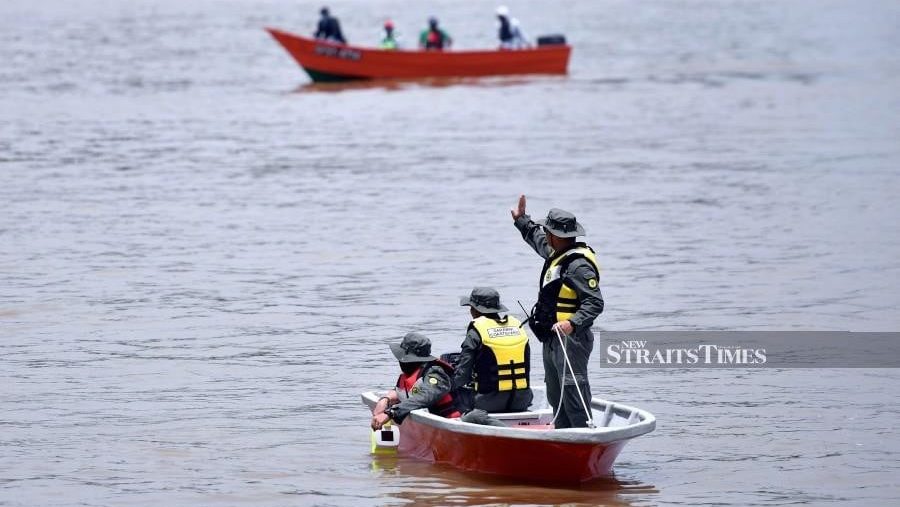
[(389, 24)]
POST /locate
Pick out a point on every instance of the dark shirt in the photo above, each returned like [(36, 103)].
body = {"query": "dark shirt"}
[(433, 385), (330, 28), (434, 38), (578, 275), (505, 33), (468, 353)]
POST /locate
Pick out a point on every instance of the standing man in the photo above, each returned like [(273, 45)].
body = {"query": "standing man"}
[(329, 27), (496, 351), (509, 31), (569, 300)]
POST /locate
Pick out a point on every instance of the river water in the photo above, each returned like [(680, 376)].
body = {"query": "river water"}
[(203, 258)]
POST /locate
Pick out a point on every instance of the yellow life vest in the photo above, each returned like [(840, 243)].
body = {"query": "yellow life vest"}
[(557, 301), (503, 364)]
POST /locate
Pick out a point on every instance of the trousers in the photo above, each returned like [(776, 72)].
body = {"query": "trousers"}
[(556, 373)]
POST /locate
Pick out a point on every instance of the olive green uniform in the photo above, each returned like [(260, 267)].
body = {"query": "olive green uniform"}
[(431, 386), (580, 276)]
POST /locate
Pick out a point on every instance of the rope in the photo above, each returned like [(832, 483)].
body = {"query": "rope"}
[(562, 388)]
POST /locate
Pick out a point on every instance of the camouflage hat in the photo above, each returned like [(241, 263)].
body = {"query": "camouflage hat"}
[(415, 348), (561, 224), (483, 299)]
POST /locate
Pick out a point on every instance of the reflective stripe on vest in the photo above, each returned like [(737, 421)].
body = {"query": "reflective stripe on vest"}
[(503, 362), (564, 300), (445, 407)]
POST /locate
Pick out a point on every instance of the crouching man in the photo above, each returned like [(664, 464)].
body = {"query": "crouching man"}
[(425, 382)]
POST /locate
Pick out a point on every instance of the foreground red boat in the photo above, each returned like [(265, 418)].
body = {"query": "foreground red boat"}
[(326, 61), (528, 449)]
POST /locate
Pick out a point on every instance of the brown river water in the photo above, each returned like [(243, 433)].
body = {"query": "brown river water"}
[(203, 257)]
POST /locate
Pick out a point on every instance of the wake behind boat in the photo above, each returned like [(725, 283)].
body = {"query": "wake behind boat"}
[(327, 61), (528, 448)]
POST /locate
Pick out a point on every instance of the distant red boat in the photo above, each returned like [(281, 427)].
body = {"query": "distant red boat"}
[(326, 61), (528, 449)]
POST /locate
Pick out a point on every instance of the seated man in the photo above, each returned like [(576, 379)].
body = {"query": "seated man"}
[(390, 38), (424, 383), (495, 353), (434, 38)]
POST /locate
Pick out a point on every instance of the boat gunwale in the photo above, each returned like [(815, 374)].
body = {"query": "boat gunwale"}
[(601, 435), (414, 52)]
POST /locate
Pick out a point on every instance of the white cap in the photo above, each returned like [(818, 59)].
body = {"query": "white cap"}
[(502, 11)]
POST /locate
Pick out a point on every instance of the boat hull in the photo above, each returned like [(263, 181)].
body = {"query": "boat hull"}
[(550, 462), (325, 61), (526, 448)]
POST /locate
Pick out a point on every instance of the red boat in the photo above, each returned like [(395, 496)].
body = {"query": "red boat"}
[(528, 448), (328, 61)]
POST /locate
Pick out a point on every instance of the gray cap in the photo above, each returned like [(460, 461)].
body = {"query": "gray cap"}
[(415, 348), (483, 299), (561, 224)]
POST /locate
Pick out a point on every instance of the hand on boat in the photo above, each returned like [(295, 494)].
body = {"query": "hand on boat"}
[(379, 420), (565, 327), (518, 210)]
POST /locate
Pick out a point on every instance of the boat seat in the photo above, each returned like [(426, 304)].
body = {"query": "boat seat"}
[(634, 418), (607, 416)]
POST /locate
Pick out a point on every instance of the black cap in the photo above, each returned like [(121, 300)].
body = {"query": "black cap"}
[(483, 299), (562, 224), (414, 348)]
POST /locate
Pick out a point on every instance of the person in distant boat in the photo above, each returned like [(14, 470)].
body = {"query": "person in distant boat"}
[(425, 383), (495, 354), (390, 39), (434, 38), (329, 27), (568, 302), (510, 32)]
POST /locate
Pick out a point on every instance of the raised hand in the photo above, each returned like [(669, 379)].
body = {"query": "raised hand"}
[(518, 210)]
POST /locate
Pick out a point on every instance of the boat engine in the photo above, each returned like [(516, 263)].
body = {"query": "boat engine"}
[(556, 39)]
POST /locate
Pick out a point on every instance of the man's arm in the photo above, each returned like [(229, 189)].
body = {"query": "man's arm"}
[(468, 351), (379, 418), (582, 278), (532, 233), (435, 384), (385, 401)]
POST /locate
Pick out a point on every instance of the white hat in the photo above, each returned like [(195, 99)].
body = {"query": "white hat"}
[(503, 11)]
